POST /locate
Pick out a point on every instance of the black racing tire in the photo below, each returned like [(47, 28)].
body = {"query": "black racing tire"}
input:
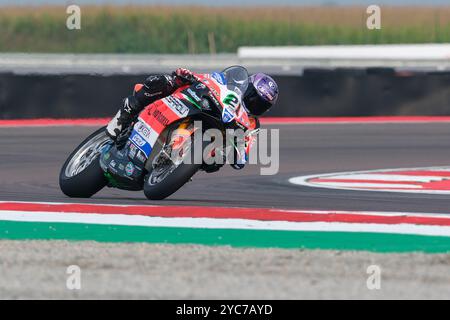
[(174, 181), (171, 183), (87, 182)]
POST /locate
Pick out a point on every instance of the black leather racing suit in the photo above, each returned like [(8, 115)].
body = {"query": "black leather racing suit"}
[(155, 87)]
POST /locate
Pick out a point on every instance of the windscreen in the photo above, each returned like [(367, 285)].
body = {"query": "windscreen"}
[(236, 79)]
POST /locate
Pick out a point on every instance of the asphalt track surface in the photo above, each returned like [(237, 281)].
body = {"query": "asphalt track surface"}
[(31, 158)]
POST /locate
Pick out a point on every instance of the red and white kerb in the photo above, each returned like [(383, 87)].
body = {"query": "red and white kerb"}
[(430, 180)]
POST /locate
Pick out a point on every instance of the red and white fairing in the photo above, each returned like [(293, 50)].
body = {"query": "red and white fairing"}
[(158, 115)]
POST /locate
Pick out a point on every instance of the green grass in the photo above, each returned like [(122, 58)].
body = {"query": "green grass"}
[(185, 29)]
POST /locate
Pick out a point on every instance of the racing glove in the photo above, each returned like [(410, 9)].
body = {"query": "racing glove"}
[(184, 76)]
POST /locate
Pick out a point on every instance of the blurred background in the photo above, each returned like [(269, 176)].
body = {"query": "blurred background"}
[(322, 53)]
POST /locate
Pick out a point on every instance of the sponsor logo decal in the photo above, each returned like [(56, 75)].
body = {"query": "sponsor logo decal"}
[(141, 156), (205, 105), (143, 130), (219, 77), (271, 84), (120, 154), (214, 91), (149, 95), (133, 150), (126, 106), (194, 95), (177, 106), (160, 117), (140, 142), (200, 86), (129, 169), (214, 99), (227, 115)]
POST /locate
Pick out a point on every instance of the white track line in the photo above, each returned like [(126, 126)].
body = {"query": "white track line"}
[(366, 185), (209, 223), (387, 177)]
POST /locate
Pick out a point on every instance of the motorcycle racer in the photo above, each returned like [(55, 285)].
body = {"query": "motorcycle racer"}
[(261, 95)]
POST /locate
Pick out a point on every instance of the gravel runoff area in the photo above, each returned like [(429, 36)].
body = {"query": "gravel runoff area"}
[(37, 270)]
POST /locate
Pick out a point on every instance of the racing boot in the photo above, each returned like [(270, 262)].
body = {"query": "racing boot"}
[(124, 117)]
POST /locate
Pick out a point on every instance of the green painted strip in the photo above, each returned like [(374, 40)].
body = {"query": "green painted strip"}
[(379, 242), (193, 102)]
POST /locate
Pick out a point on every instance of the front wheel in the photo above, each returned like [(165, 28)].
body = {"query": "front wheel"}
[(169, 173), (81, 175), (154, 190)]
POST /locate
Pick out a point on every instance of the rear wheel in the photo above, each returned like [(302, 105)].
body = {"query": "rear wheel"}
[(81, 175)]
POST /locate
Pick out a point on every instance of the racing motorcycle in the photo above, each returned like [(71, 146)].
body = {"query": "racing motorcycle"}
[(157, 155)]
